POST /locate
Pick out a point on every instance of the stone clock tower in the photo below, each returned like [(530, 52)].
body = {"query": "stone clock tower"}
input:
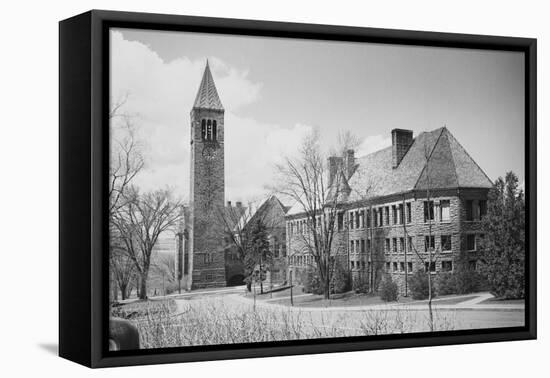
[(207, 195)]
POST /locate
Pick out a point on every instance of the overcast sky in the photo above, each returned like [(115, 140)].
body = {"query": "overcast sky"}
[(276, 90)]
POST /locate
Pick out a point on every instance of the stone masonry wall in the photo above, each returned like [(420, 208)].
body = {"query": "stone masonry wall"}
[(402, 258)]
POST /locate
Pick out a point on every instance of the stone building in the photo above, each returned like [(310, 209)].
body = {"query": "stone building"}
[(271, 212), (419, 194)]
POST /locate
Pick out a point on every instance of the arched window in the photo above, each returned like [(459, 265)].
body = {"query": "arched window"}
[(203, 129), (209, 130), (214, 130)]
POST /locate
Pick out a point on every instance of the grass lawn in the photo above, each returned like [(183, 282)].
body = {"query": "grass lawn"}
[(337, 300), (447, 301), (141, 308), (503, 301)]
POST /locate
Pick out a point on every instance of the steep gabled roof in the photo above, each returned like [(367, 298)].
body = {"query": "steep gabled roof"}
[(265, 205), (436, 155), (207, 95)]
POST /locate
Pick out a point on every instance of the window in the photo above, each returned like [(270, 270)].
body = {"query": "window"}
[(387, 249), (429, 243), (394, 242), (209, 130), (428, 211), (482, 208), (395, 266), (353, 265), (369, 246), (203, 129), (375, 218), (447, 266), (363, 265), (367, 215), (409, 213), (351, 219), (283, 249), (400, 214), (275, 248), (410, 244), (446, 243), (402, 266), (340, 221), (402, 245), (431, 265), (409, 267), (394, 214), (381, 220), (471, 242), (214, 130), (472, 264), (387, 267), (387, 214), (469, 210), (351, 244), (362, 245), (444, 211), (357, 220)]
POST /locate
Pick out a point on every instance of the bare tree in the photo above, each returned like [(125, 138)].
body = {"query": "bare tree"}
[(122, 268), (126, 162), (140, 220), (319, 194), (431, 255)]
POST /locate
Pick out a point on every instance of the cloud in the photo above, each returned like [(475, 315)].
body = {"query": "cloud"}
[(372, 144), (160, 96)]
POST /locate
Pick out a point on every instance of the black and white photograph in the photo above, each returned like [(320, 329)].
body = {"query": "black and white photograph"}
[(269, 189)]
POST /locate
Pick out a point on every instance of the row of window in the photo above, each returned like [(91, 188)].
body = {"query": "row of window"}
[(393, 215), (301, 260), (397, 245)]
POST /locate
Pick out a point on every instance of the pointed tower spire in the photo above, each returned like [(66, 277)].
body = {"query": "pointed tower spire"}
[(207, 96)]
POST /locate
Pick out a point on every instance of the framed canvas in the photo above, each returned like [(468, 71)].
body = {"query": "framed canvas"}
[(235, 188)]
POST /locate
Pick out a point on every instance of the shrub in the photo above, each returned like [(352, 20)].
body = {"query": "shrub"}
[(340, 282), (388, 289), (446, 284), (311, 282), (360, 285), (418, 285), (467, 281)]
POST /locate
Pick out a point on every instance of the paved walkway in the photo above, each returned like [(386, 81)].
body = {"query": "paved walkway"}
[(472, 304)]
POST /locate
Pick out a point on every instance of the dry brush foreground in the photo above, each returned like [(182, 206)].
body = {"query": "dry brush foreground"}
[(210, 321)]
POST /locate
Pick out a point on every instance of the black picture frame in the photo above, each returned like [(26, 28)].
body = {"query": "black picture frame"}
[(83, 154)]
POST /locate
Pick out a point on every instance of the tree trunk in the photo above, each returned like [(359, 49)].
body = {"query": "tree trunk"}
[(123, 291), (143, 287), (430, 298)]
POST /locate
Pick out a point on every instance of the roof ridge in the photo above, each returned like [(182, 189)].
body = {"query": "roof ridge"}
[(469, 156), (429, 157)]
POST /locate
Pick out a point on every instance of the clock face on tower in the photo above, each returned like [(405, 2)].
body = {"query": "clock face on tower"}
[(209, 152)]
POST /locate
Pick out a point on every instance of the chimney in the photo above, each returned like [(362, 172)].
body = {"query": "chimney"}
[(334, 164), (350, 163), (401, 140), (239, 204), (228, 203)]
